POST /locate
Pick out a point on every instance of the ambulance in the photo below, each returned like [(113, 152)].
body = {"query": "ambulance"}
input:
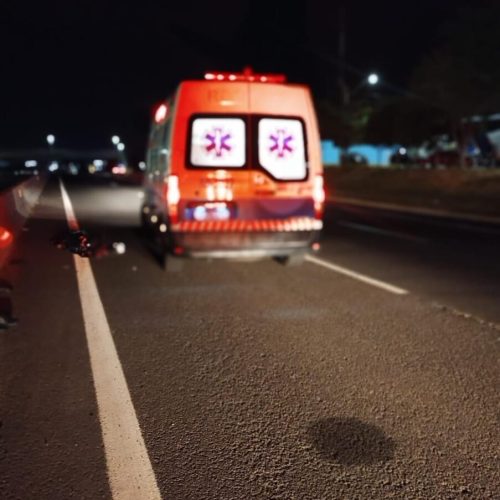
[(233, 169)]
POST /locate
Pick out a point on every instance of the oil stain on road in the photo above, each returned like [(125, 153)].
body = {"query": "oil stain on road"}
[(348, 441)]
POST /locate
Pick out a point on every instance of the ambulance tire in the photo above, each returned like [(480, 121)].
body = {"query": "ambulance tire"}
[(171, 263), (145, 225)]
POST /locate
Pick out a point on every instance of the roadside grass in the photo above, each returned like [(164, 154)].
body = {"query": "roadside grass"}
[(474, 191)]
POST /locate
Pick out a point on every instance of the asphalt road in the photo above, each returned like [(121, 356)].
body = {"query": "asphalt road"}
[(251, 379)]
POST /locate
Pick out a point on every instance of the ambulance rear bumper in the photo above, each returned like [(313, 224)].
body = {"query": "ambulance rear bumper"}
[(226, 239)]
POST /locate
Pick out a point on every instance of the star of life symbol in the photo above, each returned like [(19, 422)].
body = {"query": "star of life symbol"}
[(281, 143), (217, 142)]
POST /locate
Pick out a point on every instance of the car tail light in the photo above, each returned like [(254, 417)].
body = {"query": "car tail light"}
[(318, 196), (173, 197), (6, 237)]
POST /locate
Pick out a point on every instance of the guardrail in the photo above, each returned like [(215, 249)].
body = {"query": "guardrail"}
[(16, 204)]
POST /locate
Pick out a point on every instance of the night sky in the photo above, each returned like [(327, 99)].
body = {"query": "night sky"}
[(85, 70)]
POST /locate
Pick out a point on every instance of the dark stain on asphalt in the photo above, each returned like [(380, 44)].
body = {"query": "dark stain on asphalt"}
[(348, 441)]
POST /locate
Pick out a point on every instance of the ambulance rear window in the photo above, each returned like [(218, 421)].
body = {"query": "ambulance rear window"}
[(281, 148), (218, 142)]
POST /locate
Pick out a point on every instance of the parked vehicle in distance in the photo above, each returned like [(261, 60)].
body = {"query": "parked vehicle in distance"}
[(350, 159), (445, 159), (234, 169)]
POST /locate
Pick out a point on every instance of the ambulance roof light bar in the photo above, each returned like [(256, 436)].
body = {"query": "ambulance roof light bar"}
[(247, 76)]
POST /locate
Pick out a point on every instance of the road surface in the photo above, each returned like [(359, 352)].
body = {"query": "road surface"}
[(371, 371)]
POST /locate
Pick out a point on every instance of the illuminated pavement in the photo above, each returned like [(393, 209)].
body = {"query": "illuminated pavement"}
[(254, 380)]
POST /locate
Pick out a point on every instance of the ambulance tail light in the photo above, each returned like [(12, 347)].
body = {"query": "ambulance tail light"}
[(173, 197), (318, 196)]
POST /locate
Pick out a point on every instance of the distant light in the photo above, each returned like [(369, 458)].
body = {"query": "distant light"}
[(119, 247), (220, 77), (73, 168), (209, 76), (30, 163), (98, 163), (232, 77), (115, 140), (119, 169), (120, 146), (163, 228), (402, 151), (161, 113), (51, 139), (53, 166), (142, 165), (373, 79)]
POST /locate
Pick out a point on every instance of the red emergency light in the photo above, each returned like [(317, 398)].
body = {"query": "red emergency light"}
[(247, 76), (161, 113)]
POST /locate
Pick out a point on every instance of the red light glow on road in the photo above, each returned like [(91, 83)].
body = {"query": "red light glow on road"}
[(6, 237)]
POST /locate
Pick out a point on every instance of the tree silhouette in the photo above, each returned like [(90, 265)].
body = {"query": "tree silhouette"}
[(461, 77)]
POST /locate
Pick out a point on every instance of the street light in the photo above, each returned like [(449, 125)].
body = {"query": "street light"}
[(373, 79), (115, 140), (120, 146), (51, 139)]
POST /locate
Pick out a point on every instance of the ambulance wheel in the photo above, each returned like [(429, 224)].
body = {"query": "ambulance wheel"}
[(146, 226), (144, 223)]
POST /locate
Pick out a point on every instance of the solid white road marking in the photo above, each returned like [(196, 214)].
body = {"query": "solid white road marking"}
[(360, 277), (68, 208), (415, 210), (383, 232), (130, 472)]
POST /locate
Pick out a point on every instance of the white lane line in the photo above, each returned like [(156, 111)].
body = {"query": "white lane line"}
[(416, 210), (383, 232), (68, 208), (357, 276), (130, 472)]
